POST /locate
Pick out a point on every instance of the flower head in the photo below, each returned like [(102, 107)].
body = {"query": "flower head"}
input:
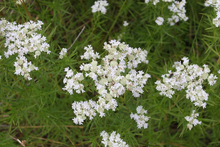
[(178, 11), (125, 23), (100, 6), (140, 117), (20, 1), (192, 120), (23, 39), (113, 76), (112, 140), (159, 20), (216, 5), (63, 53), (189, 77)]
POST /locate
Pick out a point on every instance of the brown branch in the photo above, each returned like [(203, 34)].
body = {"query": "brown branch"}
[(76, 38), (23, 142), (70, 140), (156, 77)]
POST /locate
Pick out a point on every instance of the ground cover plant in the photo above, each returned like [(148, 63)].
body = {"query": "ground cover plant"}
[(109, 73)]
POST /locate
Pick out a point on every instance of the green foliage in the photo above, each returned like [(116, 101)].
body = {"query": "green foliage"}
[(39, 111)]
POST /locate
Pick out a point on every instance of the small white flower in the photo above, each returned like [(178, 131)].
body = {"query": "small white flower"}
[(147, 1), (90, 53), (63, 53), (73, 81), (216, 5), (82, 110), (155, 2), (192, 120), (100, 6), (159, 20), (20, 1), (125, 23), (112, 140), (140, 117), (178, 11)]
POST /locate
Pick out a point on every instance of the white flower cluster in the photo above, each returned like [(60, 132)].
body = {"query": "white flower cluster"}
[(63, 53), (83, 110), (112, 140), (125, 24), (187, 76), (192, 120), (178, 11), (90, 53), (73, 81), (109, 77), (20, 1), (23, 67), (159, 20), (154, 1), (216, 5), (140, 118), (22, 39), (100, 6)]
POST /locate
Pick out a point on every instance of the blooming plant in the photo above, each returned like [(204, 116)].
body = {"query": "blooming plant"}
[(140, 118), (110, 78), (187, 76), (159, 21), (118, 97), (63, 53), (216, 5), (20, 1), (177, 10), (190, 77), (192, 120), (125, 24), (100, 6), (112, 140), (22, 40)]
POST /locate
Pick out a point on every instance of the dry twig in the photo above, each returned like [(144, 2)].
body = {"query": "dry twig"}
[(23, 142)]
